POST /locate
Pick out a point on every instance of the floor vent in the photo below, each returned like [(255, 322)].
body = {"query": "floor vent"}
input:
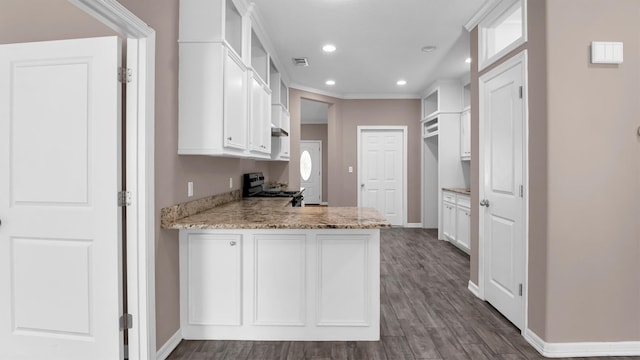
[(300, 61)]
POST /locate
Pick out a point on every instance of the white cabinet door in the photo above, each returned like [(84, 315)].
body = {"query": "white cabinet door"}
[(449, 221), (260, 119), (235, 103), (211, 279), (465, 135), (463, 222), (279, 281)]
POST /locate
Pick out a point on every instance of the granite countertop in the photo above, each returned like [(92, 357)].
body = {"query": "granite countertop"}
[(277, 213), (459, 190)]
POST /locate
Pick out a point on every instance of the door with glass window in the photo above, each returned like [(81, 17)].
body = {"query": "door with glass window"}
[(311, 170)]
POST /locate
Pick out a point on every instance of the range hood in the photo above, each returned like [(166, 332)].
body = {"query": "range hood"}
[(276, 131)]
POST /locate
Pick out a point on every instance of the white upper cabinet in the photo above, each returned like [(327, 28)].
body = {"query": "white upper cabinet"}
[(280, 117), (224, 94)]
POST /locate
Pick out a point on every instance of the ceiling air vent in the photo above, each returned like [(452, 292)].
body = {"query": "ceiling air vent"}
[(300, 61)]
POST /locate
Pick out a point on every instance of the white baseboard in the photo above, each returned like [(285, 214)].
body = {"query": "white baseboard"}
[(582, 349), (414, 225), (169, 346), (475, 290)]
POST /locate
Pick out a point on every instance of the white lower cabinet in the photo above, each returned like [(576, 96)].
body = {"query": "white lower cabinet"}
[(456, 219), (449, 220), (463, 228), (308, 285), (212, 262)]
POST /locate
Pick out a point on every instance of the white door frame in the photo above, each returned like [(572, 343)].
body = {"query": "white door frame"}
[(319, 142), (519, 58), (141, 42), (404, 164)]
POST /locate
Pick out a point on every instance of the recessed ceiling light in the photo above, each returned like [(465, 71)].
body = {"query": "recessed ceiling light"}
[(330, 82), (329, 48), (429, 48), (402, 82), (468, 60)]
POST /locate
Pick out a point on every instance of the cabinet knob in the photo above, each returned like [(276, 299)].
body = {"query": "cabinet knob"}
[(232, 243)]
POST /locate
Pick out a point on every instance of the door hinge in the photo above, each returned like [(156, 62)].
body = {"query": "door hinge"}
[(124, 198), (521, 191), (125, 75), (520, 290), (521, 92), (126, 321)]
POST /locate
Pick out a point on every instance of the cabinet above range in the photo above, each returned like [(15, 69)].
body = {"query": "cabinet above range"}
[(224, 82)]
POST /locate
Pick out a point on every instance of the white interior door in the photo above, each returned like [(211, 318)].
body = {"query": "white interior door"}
[(382, 172), (60, 270), (502, 206), (311, 170)]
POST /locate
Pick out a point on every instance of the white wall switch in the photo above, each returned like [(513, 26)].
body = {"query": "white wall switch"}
[(350, 169), (230, 183), (190, 189), (606, 52)]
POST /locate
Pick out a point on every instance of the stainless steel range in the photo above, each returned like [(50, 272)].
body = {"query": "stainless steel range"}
[(253, 186)]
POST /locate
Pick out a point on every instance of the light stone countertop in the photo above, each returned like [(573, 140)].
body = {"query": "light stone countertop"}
[(277, 213), (459, 191)]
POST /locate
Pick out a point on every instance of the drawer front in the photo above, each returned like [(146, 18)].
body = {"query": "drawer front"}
[(464, 201), (449, 197)]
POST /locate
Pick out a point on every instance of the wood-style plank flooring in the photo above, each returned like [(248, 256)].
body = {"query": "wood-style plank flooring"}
[(427, 313)]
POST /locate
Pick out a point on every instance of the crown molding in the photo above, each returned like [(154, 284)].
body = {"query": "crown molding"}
[(116, 16), (484, 10), (355, 96)]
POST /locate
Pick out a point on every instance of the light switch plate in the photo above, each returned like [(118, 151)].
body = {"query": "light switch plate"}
[(350, 169), (606, 52), (190, 189), (230, 183)]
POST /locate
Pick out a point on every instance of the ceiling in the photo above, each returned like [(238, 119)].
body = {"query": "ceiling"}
[(378, 43)]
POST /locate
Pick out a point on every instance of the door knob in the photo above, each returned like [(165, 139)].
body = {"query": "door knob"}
[(484, 202)]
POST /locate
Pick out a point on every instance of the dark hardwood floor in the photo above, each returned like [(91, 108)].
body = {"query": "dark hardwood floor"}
[(427, 313)]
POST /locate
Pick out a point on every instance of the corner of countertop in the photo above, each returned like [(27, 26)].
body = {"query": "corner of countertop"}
[(171, 214)]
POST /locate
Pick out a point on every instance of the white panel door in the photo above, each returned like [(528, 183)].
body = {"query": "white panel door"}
[(503, 207), (381, 172), (311, 170), (60, 263)]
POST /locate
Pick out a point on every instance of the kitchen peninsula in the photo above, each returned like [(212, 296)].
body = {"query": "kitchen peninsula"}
[(259, 269)]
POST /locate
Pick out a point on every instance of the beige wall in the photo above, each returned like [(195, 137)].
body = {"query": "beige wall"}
[(319, 132), (42, 20), (344, 118), (584, 173), (593, 264)]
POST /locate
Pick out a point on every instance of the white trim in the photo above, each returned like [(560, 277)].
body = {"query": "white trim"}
[(582, 349), (169, 346), (140, 169), (414, 225), (474, 290), (521, 57), (404, 163), (354, 96), (482, 13)]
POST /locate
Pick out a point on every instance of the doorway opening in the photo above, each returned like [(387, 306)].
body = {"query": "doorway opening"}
[(314, 122)]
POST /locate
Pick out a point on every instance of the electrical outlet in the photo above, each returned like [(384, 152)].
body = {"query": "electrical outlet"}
[(190, 189), (230, 183)]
